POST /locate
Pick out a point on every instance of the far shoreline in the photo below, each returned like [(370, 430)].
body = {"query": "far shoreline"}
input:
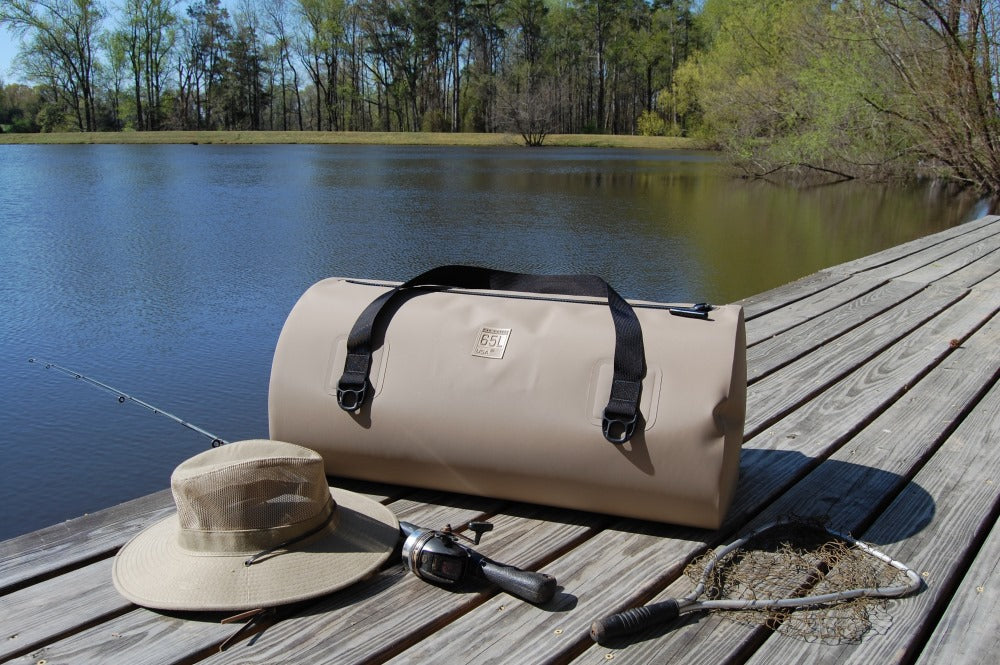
[(351, 138)]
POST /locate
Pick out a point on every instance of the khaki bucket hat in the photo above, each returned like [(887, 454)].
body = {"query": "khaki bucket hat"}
[(256, 526)]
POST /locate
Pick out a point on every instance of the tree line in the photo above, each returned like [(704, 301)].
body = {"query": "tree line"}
[(833, 88), (348, 65)]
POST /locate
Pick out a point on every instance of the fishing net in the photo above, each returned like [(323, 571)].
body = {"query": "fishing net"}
[(799, 558)]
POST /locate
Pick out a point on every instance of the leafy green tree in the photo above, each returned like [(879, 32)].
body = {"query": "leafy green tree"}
[(278, 27), (458, 25), (487, 33), (568, 66), (19, 107), (115, 46), (938, 79), (661, 50), (528, 105), (148, 34), (322, 33), (651, 123), (773, 88), (355, 85), (528, 23), (207, 32), (26, 103), (864, 88), (51, 117), (62, 47), (397, 63), (243, 94), (601, 16), (6, 110)]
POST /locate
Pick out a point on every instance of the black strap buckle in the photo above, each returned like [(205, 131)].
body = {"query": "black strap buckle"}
[(618, 428), (350, 397)]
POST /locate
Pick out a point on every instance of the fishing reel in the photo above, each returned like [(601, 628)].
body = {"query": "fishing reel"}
[(438, 557)]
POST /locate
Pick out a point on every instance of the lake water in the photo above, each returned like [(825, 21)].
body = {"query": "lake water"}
[(167, 271)]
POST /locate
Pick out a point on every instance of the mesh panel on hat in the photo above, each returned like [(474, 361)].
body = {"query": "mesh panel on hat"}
[(252, 494)]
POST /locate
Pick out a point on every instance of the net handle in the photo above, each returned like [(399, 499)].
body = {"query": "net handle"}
[(630, 621)]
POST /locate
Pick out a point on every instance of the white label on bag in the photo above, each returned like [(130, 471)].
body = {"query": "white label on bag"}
[(491, 342)]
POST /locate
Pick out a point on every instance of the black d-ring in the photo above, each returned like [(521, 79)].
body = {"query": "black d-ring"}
[(351, 399), (618, 429)]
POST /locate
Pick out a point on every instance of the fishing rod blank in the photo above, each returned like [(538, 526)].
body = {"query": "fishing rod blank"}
[(125, 397)]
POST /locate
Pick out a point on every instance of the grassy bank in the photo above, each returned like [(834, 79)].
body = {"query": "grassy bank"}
[(357, 138)]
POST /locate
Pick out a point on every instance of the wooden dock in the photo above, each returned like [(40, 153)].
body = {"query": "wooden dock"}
[(873, 402)]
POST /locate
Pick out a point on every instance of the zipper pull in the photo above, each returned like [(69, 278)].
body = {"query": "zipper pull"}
[(698, 311)]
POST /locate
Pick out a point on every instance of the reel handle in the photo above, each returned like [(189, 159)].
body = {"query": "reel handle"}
[(633, 620), (528, 585)]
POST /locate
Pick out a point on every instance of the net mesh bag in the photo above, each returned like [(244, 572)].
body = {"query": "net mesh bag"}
[(797, 559)]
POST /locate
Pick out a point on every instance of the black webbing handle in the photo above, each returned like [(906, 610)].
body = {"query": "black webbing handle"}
[(621, 413)]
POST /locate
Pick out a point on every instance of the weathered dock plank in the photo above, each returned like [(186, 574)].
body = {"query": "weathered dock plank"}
[(779, 350), (46, 611), (973, 274), (793, 385), (939, 254), (969, 631), (961, 478), (77, 541), (952, 263), (783, 296), (824, 302), (829, 278), (773, 459), (380, 626), (833, 311), (957, 236)]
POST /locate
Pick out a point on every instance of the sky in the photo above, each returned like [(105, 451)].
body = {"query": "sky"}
[(8, 49)]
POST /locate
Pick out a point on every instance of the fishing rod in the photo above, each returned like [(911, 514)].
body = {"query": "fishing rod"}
[(433, 556), (125, 397)]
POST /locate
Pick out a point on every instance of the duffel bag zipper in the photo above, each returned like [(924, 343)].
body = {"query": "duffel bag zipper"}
[(696, 311)]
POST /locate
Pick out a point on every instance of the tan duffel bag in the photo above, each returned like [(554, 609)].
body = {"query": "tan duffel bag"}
[(519, 387)]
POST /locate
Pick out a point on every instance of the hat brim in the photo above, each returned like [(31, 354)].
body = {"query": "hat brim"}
[(153, 570)]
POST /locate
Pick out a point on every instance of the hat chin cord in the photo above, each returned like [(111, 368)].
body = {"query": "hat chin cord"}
[(258, 616), (255, 618), (284, 545)]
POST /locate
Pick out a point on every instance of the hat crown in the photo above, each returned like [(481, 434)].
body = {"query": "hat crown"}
[(234, 542), (265, 488)]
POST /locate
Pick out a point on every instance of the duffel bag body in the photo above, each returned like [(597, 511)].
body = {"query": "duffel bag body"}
[(544, 389)]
